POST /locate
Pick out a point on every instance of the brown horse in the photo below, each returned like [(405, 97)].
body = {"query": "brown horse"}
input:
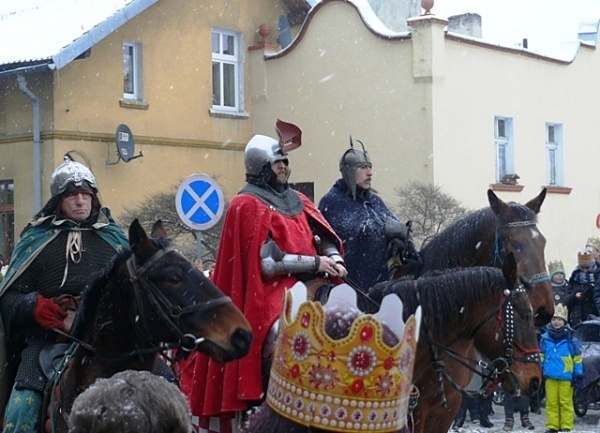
[(147, 301), (464, 311), (485, 237)]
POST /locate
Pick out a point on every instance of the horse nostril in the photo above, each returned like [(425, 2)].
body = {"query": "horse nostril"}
[(241, 339)]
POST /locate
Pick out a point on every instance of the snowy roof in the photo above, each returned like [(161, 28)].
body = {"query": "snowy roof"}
[(51, 33)]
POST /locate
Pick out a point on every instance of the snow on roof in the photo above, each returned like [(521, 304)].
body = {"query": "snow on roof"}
[(57, 31)]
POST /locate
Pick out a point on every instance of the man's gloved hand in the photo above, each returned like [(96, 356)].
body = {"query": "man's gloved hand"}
[(578, 382), (395, 229), (48, 314), (395, 247)]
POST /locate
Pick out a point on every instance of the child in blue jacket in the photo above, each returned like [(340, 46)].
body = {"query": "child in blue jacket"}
[(562, 369)]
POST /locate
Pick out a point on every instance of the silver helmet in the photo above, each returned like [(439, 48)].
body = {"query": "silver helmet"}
[(351, 160), (262, 151), (71, 172)]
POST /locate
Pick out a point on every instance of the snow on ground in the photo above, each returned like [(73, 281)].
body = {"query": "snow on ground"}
[(586, 424)]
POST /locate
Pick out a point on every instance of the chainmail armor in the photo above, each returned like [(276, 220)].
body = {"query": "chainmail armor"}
[(44, 276), (287, 202)]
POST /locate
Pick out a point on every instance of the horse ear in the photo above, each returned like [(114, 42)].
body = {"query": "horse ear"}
[(139, 241), (536, 203), (497, 205), (509, 268), (158, 231)]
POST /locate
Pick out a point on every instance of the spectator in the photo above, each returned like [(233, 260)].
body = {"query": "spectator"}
[(370, 232), (131, 402), (594, 244), (40, 273), (562, 370), (583, 294), (514, 404), (268, 244), (558, 279)]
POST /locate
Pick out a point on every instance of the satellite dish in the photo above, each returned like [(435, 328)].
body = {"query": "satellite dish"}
[(125, 145), (285, 31)]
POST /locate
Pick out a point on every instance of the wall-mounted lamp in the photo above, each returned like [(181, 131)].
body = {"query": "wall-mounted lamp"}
[(125, 146)]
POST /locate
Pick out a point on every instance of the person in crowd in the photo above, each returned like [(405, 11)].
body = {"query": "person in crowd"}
[(273, 236), (583, 294), (131, 402), (558, 279), (562, 369), (593, 243), (514, 404), (468, 404), (58, 252), (370, 231)]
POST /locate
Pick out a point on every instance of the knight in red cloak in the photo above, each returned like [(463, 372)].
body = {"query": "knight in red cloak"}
[(273, 236)]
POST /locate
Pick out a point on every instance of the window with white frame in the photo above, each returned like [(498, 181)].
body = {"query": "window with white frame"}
[(554, 154), (132, 70), (226, 71), (504, 143)]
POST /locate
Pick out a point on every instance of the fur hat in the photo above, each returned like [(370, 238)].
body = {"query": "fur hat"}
[(593, 243), (584, 258), (562, 312), (556, 267)]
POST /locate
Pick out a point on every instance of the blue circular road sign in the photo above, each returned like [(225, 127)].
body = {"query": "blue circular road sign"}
[(199, 201)]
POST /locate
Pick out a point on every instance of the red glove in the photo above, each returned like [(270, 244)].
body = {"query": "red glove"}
[(48, 314)]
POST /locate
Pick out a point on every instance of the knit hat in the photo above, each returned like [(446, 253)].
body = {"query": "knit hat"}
[(556, 267), (584, 258), (562, 312), (594, 243)]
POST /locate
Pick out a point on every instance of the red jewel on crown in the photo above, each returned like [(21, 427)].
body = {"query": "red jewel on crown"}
[(367, 333)]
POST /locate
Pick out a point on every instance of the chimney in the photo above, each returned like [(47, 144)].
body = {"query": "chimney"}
[(465, 24)]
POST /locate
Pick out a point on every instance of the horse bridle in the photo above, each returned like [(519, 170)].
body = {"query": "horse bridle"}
[(504, 314), (500, 252), (168, 312)]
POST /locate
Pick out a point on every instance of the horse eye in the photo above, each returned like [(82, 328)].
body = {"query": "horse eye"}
[(173, 279), (518, 246)]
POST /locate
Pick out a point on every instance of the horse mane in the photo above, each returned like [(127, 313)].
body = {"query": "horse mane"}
[(447, 297), (466, 232)]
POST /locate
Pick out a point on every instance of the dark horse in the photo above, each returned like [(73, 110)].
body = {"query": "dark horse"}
[(147, 300), (485, 237), (466, 310)]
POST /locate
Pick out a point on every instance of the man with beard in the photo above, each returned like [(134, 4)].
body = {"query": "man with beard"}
[(273, 236)]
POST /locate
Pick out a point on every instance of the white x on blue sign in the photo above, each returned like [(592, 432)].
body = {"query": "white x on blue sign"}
[(199, 201)]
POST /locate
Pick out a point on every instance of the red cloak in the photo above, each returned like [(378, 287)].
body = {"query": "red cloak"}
[(214, 389)]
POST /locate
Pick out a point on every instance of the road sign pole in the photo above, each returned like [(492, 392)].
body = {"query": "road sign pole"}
[(198, 245)]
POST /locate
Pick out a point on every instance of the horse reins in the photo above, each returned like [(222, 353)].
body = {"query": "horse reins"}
[(499, 366), (160, 303)]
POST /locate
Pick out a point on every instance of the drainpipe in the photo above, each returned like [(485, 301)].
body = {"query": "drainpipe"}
[(37, 182)]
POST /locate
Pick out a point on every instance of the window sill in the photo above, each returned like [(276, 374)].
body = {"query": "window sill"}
[(134, 103), (228, 114), (554, 189), (505, 187)]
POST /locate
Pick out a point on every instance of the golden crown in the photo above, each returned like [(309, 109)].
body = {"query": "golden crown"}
[(561, 311), (556, 266), (584, 255), (593, 242), (354, 384)]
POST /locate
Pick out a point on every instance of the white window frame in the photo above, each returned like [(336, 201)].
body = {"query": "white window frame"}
[(221, 60), (504, 147), (554, 154), (132, 64)]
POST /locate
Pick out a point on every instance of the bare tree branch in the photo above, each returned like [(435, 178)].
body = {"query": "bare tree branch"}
[(430, 209)]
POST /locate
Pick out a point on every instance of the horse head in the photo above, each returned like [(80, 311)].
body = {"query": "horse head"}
[(173, 296), (517, 233), (515, 353)]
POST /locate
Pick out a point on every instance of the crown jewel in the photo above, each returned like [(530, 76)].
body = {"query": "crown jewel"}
[(354, 384)]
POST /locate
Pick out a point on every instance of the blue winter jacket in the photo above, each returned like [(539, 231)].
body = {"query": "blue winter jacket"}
[(561, 354)]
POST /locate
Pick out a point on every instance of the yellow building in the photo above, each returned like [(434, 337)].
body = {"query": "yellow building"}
[(175, 72)]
